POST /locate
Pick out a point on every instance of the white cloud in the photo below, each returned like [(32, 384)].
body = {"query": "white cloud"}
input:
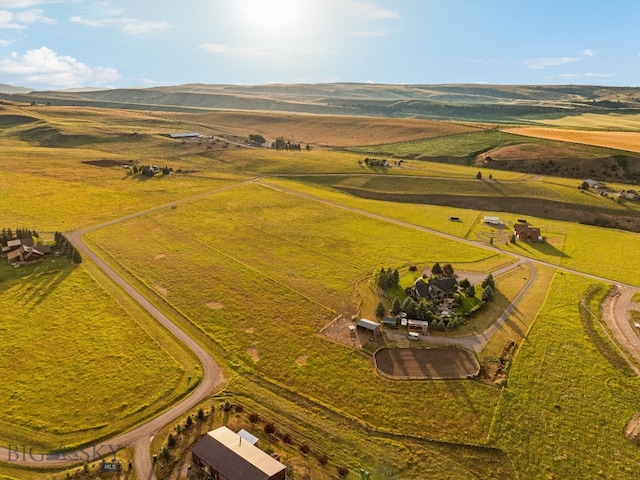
[(44, 67), (22, 3), (370, 34), (540, 63), (135, 27), (127, 25), (229, 51), (34, 16), (20, 20), (7, 21), (6, 43), (365, 10), (568, 76), (588, 52)]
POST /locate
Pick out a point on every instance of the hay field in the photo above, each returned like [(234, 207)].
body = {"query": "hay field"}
[(77, 364), (598, 121), (627, 141), (282, 267), (325, 130)]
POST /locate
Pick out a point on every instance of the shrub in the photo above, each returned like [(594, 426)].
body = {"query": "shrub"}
[(269, 428), (226, 406), (343, 472), (254, 417), (200, 414), (189, 421), (305, 448), (171, 441), (323, 459), (413, 268), (239, 408), (286, 438)]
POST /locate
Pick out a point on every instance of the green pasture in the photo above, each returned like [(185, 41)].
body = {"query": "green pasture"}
[(262, 271), (466, 145), (599, 121), (565, 406), (78, 366), (569, 245)]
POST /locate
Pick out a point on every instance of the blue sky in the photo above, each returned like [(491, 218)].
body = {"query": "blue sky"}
[(116, 43)]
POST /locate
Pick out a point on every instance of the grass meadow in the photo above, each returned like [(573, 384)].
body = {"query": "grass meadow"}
[(69, 348), (266, 270), (565, 406), (598, 121), (568, 244)]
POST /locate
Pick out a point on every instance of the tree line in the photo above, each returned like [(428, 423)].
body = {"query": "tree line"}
[(66, 247), (20, 232)]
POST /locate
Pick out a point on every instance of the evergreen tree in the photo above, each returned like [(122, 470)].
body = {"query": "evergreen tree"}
[(487, 294), (395, 276), (396, 307), (471, 291), (423, 311), (75, 256), (489, 281), (436, 269), (410, 307), (380, 310)]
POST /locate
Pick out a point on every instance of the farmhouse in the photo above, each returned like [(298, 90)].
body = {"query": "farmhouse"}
[(435, 289), (527, 233), (224, 455), (25, 253)]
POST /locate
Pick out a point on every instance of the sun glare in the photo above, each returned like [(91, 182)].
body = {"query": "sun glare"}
[(272, 15)]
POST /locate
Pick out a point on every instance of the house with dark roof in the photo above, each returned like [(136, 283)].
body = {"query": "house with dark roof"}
[(224, 455), (524, 232), (434, 289), (25, 253)]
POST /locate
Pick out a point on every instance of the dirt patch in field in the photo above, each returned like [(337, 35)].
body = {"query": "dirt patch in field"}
[(632, 430), (161, 290), (301, 359), (105, 163), (250, 330), (338, 331), (215, 305), (253, 353), (159, 256), (426, 363)]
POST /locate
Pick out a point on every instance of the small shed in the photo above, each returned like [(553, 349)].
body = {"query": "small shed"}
[(370, 325), (419, 326), (391, 322), (492, 220)]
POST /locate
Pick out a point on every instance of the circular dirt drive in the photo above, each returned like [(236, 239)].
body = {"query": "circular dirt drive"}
[(427, 363)]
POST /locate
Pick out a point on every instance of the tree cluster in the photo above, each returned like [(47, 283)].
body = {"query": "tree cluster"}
[(66, 247), (256, 138), (281, 144), (376, 162), (388, 279), (445, 270), (20, 232)]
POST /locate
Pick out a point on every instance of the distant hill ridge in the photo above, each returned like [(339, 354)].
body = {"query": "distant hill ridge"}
[(470, 102)]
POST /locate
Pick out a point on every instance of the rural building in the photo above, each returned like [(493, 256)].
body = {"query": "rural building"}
[(391, 322), (185, 135), (370, 325), (492, 220), (224, 455), (594, 183), (527, 233), (25, 253), (435, 289), (418, 326)]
